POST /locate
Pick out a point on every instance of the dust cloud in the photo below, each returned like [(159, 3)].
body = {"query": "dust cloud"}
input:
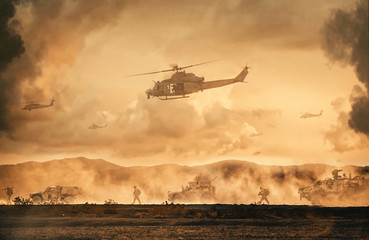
[(236, 182)]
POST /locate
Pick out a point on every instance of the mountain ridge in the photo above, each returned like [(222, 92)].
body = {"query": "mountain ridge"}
[(84, 159), (237, 181)]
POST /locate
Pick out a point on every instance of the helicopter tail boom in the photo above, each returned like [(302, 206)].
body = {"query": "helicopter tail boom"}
[(219, 83)]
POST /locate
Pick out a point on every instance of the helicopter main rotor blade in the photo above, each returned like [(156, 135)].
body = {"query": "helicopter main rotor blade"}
[(140, 74), (193, 65), (175, 68)]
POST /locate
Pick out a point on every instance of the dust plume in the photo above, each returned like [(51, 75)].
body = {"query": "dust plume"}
[(236, 182), (345, 40), (341, 136)]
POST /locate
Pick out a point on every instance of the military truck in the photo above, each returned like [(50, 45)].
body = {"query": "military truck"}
[(195, 191), (56, 194), (338, 188)]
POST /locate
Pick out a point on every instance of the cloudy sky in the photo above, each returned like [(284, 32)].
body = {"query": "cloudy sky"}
[(305, 56)]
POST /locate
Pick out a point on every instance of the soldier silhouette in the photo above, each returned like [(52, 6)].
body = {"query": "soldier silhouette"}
[(9, 192), (136, 195), (263, 193), (335, 174)]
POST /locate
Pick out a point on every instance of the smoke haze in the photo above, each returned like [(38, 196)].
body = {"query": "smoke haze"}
[(77, 52), (235, 182)]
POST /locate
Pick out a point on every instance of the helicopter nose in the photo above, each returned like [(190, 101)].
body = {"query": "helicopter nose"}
[(148, 93)]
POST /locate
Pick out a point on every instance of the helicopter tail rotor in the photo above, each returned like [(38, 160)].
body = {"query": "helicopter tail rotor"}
[(247, 67)]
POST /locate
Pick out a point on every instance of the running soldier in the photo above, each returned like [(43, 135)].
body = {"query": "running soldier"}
[(9, 192), (264, 194), (136, 195)]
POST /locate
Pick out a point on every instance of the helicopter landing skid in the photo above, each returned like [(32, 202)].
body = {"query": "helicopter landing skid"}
[(172, 98)]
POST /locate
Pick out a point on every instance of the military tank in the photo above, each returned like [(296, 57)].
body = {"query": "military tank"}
[(338, 188), (195, 191)]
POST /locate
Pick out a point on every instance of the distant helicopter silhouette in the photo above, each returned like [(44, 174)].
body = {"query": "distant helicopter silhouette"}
[(95, 126), (310, 115), (255, 134), (33, 106)]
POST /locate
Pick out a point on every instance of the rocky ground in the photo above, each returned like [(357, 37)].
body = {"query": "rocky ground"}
[(182, 222)]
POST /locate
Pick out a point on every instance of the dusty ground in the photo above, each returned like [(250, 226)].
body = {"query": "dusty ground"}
[(182, 222)]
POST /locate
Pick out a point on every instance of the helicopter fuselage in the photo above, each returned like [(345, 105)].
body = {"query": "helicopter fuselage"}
[(310, 115), (181, 84), (31, 106), (95, 126)]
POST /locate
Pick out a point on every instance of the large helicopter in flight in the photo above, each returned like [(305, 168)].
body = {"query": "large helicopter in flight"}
[(181, 83), (32, 105)]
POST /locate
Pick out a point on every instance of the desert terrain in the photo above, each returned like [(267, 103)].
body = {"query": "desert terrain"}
[(215, 221), (104, 209)]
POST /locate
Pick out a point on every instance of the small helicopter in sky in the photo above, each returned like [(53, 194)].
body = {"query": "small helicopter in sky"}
[(32, 105), (181, 83), (255, 134), (310, 115), (95, 126)]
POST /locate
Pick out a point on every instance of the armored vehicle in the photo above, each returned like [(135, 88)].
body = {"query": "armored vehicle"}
[(195, 191), (338, 188), (56, 194)]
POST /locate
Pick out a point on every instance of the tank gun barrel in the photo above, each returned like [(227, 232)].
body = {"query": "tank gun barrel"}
[(213, 179)]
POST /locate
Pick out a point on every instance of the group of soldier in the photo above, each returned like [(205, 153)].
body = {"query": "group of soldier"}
[(137, 192), (263, 193)]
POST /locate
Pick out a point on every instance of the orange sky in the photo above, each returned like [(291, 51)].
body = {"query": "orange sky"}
[(80, 54)]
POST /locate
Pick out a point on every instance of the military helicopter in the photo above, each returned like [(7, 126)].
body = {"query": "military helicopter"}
[(95, 126), (181, 83), (32, 105), (256, 134), (310, 115)]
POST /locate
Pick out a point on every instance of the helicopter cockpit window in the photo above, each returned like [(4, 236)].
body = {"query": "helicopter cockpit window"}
[(176, 88)]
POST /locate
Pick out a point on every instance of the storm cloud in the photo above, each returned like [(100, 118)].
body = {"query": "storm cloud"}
[(345, 40), (50, 34), (11, 46)]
